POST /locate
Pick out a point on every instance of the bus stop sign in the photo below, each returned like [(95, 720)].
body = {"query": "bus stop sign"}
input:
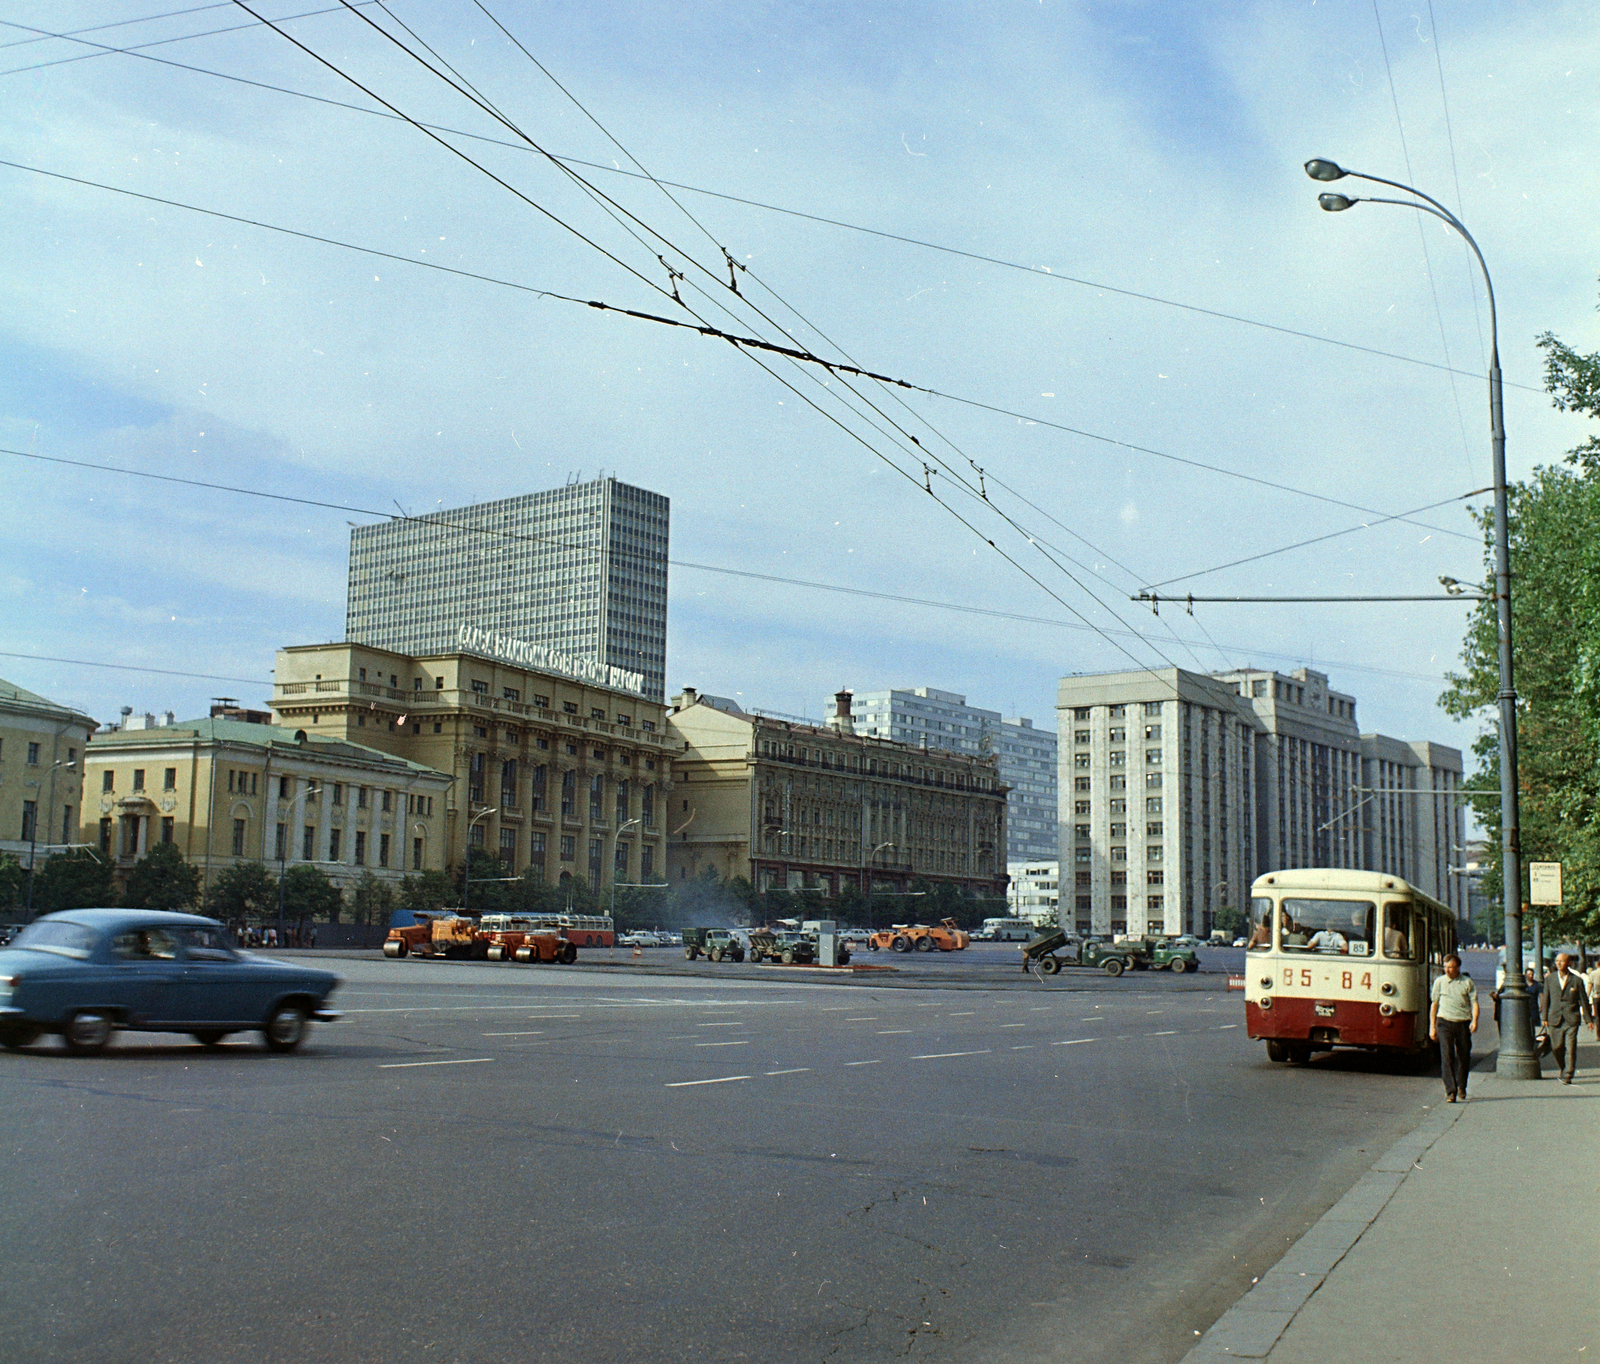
[(1544, 883)]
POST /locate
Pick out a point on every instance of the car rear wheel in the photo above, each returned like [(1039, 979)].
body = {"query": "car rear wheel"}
[(87, 1031), (286, 1027), (1049, 966), (1112, 966), (209, 1037)]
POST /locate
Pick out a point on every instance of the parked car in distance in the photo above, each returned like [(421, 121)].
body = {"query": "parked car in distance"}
[(1241, 942), (85, 973)]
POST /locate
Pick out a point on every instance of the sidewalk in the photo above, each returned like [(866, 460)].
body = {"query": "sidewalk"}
[(1476, 1236)]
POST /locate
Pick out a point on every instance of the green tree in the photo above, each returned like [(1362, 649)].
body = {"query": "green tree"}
[(1554, 522), (13, 883), (427, 892), (309, 894), (246, 890), (75, 879), (373, 901), (161, 879)]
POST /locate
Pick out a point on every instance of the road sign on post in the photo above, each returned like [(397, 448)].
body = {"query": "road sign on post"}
[(1544, 883)]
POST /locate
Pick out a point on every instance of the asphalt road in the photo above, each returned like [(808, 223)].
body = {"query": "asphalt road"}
[(494, 1163)]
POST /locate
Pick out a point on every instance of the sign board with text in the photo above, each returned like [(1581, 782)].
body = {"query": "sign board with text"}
[(1544, 883)]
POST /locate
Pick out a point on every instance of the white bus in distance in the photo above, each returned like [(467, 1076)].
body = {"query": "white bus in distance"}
[(1007, 930), (1342, 958)]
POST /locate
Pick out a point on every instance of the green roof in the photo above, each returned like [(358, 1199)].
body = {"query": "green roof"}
[(21, 696), (217, 729)]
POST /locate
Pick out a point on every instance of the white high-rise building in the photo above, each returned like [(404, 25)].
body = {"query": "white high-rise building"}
[(943, 719), (579, 573), (1178, 789)]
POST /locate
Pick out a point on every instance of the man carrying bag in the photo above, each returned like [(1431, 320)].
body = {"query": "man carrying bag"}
[(1564, 1006)]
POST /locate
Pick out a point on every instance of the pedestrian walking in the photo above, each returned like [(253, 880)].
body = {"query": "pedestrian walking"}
[(1452, 1019), (1564, 1005)]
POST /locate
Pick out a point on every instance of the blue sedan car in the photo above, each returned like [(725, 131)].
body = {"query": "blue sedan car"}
[(84, 973)]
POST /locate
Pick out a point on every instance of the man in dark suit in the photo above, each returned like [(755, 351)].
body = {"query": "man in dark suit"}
[(1564, 1005)]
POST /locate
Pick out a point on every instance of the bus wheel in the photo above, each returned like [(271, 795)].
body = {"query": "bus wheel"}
[(1276, 1051), (1300, 1053)]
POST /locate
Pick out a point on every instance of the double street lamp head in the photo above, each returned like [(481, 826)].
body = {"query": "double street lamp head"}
[(1319, 169), (1335, 203)]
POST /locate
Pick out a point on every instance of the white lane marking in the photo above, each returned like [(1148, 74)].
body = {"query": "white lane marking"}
[(458, 1009), (833, 1009), (512, 1034), (406, 1065), (1041, 1008), (1074, 1042), (892, 1032), (1150, 1012), (739, 1024), (1226, 1026), (535, 1018), (1013, 1025), (946, 1055), (863, 1063), (967, 1013), (795, 1071), (867, 1018), (1026, 1046), (1170, 1032), (720, 1080), (722, 1044)]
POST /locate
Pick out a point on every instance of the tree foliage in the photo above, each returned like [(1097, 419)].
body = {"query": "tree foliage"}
[(309, 894), (246, 890), (374, 900), (1554, 521), (13, 881), (75, 879), (427, 892), (162, 879)]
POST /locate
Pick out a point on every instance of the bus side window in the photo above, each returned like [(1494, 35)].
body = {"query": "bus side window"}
[(1397, 930)]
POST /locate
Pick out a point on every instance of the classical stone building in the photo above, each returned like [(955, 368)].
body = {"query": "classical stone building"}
[(41, 772), (226, 789), (566, 777), (806, 807)]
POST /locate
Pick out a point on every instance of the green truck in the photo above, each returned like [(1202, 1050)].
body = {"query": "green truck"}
[(1040, 954), (1160, 954), (715, 944)]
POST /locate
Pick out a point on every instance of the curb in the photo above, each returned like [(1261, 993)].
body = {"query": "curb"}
[(1253, 1325)]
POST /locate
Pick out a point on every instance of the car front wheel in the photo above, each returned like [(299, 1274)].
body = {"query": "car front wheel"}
[(286, 1027), (16, 1037), (87, 1032)]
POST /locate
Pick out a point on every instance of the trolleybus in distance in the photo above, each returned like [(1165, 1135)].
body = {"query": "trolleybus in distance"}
[(1341, 958), (581, 930), (1008, 930)]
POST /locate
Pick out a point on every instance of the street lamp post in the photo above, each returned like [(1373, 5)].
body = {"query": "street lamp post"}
[(283, 853), (864, 866), (620, 829), (1517, 1058), (466, 870), (42, 807)]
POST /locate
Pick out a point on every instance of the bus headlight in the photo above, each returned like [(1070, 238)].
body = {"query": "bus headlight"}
[(1266, 1001), (1387, 987), (1386, 1009), (1266, 982)]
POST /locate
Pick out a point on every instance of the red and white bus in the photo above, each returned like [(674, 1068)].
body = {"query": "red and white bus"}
[(1342, 959)]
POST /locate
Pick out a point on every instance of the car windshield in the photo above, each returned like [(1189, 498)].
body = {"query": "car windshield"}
[(60, 936), (1340, 926)]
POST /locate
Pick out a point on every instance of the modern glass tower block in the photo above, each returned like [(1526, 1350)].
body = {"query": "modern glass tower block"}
[(579, 570)]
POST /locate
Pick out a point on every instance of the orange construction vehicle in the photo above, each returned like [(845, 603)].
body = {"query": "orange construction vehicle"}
[(946, 936), (442, 935), (515, 937)]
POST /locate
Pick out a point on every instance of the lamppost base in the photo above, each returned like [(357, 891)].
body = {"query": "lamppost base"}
[(1517, 1067)]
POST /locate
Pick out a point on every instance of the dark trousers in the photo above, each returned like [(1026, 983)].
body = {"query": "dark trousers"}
[(1455, 1055), (1564, 1050)]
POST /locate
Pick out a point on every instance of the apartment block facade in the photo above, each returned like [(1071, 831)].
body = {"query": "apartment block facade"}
[(823, 808), (1184, 787), (575, 575), (553, 776), (930, 718)]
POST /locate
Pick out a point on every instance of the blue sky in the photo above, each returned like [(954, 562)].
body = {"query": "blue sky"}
[(1151, 148)]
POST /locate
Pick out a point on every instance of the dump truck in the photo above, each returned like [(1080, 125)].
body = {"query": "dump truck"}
[(1040, 954)]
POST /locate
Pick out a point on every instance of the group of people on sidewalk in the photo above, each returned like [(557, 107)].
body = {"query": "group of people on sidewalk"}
[(1565, 1002)]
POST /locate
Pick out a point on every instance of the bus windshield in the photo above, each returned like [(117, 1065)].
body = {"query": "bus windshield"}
[(1341, 926)]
